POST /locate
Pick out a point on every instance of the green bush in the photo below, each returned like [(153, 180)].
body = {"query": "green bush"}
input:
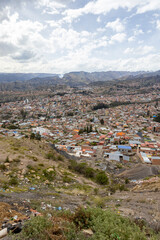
[(49, 175), (105, 225), (3, 167), (89, 172), (101, 178), (81, 218), (35, 229), (60, 158), (126, 181), (51, 156), (67, 179), (80, 168), (122, 187), (7, 160), (13, 181)]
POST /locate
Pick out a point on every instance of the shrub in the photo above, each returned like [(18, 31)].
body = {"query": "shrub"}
[(30, 167), (100, 202), (7, 160), (102, 178), (60, 158), (80, 168), (112, 189), (122, 188), (81, 218), (36, 228), (126, 181), (3, 167), (49, 175), (50, 155), (13, 181), (38, 136), (96, 190), (89, 172)]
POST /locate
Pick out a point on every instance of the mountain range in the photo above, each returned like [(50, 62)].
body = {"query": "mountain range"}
[(20, 80)]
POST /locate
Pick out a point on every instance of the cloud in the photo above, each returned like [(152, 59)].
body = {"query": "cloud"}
[(24, 56), (105, 6), (138, 32), (4, 13), (131, 39), (141, 50), (7, 48), (50, 6), (100, 7), (119, 37), (116, 25), (148, 5), (158, 24)]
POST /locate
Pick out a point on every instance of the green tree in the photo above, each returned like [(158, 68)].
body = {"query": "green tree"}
[(32, 136), (102, 121), (23, 114)]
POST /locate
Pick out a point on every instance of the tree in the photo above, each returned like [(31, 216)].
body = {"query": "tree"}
[(32, 136), (102, 121), (23, 114), (38, 136)]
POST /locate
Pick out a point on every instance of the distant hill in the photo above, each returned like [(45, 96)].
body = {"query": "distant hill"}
[(29, 81), (18, 77)]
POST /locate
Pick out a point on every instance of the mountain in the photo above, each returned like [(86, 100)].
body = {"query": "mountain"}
[(18, 77), (39, 81)]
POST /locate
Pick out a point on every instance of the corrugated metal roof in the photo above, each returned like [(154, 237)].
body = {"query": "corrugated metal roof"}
[(124, 147)]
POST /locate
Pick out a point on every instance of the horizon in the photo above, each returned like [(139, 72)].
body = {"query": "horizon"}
[(76, 71)]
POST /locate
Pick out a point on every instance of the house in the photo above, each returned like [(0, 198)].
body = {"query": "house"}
[(155, 160), (116, 156), (124, 149)]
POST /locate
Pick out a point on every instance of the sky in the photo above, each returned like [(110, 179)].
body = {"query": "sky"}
[(60, 36)]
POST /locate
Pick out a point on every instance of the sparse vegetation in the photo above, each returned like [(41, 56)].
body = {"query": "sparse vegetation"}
[(82, 168), (106, 225)]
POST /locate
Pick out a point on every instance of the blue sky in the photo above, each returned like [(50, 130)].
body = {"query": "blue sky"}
[(79, 35)]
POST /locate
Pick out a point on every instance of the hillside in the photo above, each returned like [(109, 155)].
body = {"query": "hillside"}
[(34, 176), (29, 82)]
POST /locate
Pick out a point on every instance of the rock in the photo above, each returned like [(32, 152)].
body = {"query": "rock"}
[(88, 232), (50, 170), (7, 164)]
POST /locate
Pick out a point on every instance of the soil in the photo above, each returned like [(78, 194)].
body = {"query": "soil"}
[(140, 171)]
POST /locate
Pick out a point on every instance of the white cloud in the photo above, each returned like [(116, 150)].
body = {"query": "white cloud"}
[(138, 32), (158, 24), (22, 37), (50, 6), (102, 7), (129, 50), (141, 50), (131, 39), (119, 37), (105, 6), (116, 25), (148, 5), (99, 19)]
